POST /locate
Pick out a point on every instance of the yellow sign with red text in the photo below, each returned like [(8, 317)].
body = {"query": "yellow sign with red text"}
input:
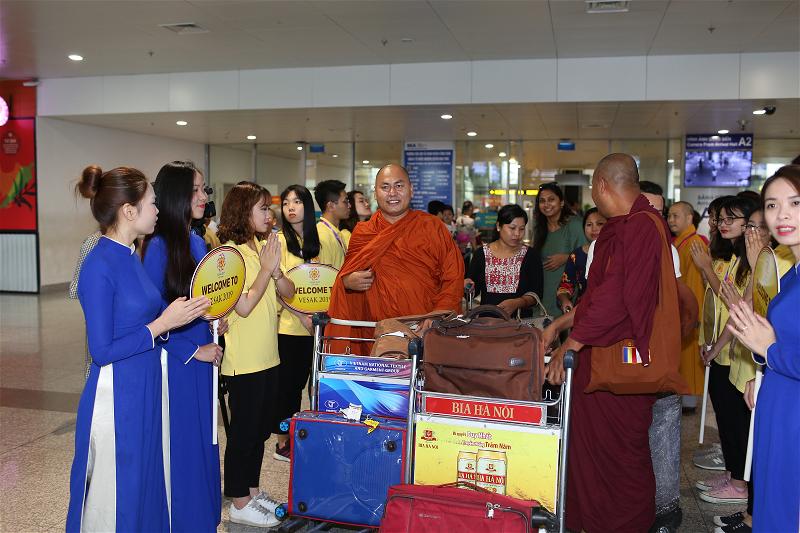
[(518, 461), (219, 276), (312, 287)]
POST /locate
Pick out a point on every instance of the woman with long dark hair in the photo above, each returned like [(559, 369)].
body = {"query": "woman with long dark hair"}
[(359, 212), (118, 473), (728, 376), (300, 243), (555, 234), (170, 255), (776, 345)]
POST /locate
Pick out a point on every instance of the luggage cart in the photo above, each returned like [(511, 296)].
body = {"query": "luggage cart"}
[(554, 417), (332, 372)]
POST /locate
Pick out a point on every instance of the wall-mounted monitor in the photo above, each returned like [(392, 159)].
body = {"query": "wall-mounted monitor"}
[(718, 160)]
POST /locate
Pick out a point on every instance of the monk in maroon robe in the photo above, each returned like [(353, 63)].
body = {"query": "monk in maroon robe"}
[(610, 486), (400, 262)]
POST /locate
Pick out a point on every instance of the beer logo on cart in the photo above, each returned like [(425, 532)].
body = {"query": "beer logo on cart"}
[(313, 274), (428, 435)]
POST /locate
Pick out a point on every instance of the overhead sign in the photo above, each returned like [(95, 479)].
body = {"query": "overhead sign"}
[(312, 287), (430, 169), (219, 276)]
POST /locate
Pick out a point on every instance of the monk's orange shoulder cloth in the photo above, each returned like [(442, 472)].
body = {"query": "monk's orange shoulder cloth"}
[(417, 266)]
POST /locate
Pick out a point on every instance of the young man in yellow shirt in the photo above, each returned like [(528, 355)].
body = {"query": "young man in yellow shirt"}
[(335, 207)]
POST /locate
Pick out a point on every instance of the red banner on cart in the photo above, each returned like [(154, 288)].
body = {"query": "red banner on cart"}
[(503, 412)]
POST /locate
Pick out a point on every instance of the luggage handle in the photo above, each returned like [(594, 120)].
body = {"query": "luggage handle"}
[(465, 484), (487, 310)]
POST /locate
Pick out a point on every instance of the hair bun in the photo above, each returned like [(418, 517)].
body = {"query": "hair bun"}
[(90, 181)]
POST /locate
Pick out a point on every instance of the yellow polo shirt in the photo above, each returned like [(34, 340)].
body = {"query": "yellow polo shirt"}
[(251, 343), (346, 236), (743, 368), (330, 253)]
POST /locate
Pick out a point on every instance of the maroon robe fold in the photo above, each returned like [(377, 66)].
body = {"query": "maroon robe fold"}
[(610, 484)]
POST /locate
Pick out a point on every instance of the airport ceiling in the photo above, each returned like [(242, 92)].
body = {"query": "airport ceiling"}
[(126, 37), (499, 122)]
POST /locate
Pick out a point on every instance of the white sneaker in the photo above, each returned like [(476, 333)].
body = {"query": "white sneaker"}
[(253, 514), (263, 499)]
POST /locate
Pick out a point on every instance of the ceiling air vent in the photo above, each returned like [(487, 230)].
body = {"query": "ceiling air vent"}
[(607, 6), (184, 28)]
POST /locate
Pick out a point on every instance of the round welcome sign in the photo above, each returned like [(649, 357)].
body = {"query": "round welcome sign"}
[(312, 284), (219, 276), (767, 280)]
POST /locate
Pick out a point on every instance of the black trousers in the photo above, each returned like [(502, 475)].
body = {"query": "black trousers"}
[(251, 401), (733, 421), (296, 353)]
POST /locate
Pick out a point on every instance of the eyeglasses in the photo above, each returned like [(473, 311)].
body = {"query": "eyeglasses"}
[(760, 227), (727, 220)]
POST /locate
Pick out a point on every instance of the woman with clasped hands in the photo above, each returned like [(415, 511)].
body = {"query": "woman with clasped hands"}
[(775, 342)]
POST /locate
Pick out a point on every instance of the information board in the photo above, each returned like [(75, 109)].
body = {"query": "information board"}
[(430, 169)]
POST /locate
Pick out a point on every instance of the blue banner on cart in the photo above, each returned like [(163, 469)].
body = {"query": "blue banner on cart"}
[(377, 397), (368, 366)]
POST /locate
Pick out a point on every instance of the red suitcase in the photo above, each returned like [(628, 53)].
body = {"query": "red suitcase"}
[(428, 509)]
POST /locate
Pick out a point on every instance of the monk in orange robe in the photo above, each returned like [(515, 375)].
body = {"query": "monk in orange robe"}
[(680, 223), (400, 262)]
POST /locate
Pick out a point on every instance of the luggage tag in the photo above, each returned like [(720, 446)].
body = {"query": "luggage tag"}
[(353, 412), (371, 424)]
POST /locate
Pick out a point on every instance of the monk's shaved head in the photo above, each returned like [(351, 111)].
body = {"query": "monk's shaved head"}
[(615, 184), (685, 207), (619, 170), (393, 191), (680, 217), (393, 169)]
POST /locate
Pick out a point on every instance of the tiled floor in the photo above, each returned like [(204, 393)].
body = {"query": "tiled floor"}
[(41, 377)]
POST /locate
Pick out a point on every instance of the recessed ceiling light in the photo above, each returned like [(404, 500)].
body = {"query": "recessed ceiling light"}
[(722, 132), (365, 162), (299, 148), (75, 57), (447, 116), (472, 133), (670, 161), (251, 137), (406, 40), (760, 112), (335, 155), (181, 123), (714, 137), (488, 145), (502, 154)]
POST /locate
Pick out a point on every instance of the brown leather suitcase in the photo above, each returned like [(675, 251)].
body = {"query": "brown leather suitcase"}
[(494, 357)]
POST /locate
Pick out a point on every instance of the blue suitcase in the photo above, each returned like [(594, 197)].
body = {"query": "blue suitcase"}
[(340, 472)]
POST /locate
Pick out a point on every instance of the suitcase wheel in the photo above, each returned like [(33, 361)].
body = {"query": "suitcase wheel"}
[(281, 511), (284, 426), (302, 434), (390, 445), (302, 507)]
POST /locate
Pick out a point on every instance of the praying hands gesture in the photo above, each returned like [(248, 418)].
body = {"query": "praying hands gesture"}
[(752, 330), (754, 242), (701, 257), (730, 296)]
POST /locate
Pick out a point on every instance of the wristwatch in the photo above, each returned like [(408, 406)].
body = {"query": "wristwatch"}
[(280, 275)]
